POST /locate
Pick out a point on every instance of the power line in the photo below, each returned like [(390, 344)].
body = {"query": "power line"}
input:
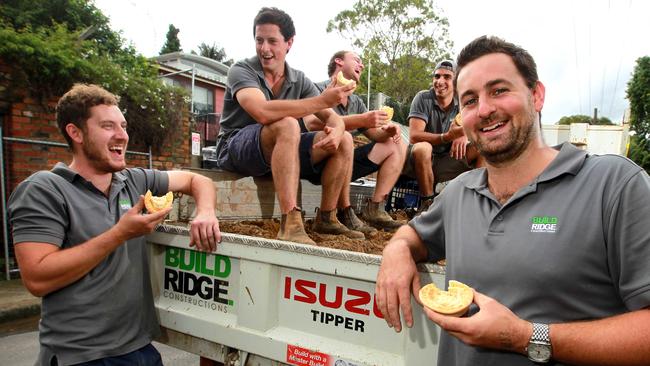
[(620, 61)]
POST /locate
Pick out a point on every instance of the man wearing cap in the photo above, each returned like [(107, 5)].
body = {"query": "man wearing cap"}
[(438, 147)]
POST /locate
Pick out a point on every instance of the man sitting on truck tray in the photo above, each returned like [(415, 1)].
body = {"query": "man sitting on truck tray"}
[(554, 241), (384, 154), (78, 232), (438, 150), (260, 132)]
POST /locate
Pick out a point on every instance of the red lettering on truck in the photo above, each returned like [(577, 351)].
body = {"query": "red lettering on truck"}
[(355, 300)]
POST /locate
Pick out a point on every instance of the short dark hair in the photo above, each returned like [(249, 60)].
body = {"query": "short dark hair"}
[(332, 65), (486, 45), (74, 106), (277, 17)]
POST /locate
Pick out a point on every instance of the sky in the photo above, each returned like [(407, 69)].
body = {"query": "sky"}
[(585, 50)]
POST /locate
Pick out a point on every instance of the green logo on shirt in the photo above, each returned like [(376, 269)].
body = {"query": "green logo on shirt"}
[(543, 224), (125, 204)]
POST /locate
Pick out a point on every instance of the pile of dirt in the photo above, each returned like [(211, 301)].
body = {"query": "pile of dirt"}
[(268, 228)]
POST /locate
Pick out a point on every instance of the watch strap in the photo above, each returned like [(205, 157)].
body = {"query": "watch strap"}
[(541, 333)]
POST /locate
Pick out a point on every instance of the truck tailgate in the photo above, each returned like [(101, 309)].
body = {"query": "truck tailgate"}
[(292, 303)]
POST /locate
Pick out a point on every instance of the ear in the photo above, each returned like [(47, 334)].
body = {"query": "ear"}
[(75, 133), (289, 44), (539, 92), (339, 62)]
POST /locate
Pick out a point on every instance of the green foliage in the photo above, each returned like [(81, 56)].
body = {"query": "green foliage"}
[(215, 52), (401, 39), (49, 52), (640, 152), (638, 92), (581, 118), (172, 44)]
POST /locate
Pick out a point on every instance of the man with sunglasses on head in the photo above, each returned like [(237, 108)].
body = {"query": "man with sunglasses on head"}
[(438, 150)]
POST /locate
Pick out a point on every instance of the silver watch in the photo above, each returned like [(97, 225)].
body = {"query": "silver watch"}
[(539, 347)]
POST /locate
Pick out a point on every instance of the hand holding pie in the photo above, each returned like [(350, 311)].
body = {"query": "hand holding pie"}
[(155, 203), (454, 302)]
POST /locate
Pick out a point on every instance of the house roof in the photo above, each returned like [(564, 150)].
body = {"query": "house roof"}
[(204, 67)]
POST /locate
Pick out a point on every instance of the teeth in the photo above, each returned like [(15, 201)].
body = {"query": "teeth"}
[(490, 128)]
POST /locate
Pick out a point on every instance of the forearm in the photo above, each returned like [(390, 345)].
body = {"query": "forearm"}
[(355, 121), (62, 267), (407, 238), (619, 340), (204, 192), (432, 138), (274, 110)]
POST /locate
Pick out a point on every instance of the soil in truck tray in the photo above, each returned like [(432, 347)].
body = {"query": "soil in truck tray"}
[(268, 228)]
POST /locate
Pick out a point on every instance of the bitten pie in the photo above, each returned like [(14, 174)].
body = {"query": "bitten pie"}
[(155, 203), (454, 302)]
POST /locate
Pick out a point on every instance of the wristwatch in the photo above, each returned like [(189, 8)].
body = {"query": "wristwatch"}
[(539, 347)]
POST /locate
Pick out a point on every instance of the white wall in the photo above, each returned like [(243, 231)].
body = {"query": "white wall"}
[(596, 139)]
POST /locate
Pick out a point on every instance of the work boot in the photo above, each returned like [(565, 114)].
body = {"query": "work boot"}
[(348, 218), (327, 223), (292, 228), (375, 214), (425, 202)]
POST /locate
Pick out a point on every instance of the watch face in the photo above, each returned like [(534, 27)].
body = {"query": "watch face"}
[(538, 352)]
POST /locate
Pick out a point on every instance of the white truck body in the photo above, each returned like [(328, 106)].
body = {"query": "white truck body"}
[(269, 302), (597, 139)]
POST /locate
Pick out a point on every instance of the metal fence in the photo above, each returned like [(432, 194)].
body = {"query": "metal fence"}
[(9, 260)]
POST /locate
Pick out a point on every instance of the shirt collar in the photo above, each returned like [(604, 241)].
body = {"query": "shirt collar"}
[(290, 74), (70, 175), (569, 160)]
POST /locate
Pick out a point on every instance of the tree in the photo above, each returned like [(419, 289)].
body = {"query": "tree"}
[(215, 52), (402, 39), (638, 93), (581, 118), (172, 44), (49, 50)]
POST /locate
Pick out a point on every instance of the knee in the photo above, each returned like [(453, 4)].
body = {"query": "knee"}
[(347, 143), (286, 128), (422, 151)]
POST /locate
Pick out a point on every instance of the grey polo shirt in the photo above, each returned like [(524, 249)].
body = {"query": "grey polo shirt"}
[(425, 107), (572, 245), (248, 73), (110, 310), (355, 103)]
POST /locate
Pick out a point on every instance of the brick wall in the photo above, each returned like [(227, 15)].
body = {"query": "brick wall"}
[(29, 118)]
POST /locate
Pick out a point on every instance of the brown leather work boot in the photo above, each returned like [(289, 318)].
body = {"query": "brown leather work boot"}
[(293, 229), (348, 218), (327, 223), (375, 214)]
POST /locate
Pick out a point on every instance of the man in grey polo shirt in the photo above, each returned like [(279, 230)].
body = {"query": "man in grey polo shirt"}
[(438, 150), (79, 239), (260, 132), (384, 154), (554, 241)]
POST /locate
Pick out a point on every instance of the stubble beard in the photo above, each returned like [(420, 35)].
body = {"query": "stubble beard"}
[(516, 142)]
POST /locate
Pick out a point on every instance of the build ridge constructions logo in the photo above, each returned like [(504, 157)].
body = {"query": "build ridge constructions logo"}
[(197, 278), (543, 224)]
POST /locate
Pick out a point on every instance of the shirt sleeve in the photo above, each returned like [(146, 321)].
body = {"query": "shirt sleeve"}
[(241, 76), (37, 213), (429, 226), (420, 108), (308, 89), (628, 241)]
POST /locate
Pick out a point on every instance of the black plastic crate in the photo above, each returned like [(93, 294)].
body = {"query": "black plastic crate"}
[(405, 195)]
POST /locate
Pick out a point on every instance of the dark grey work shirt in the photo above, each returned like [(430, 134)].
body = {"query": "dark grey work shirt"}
[(572, 245), (425, 107), (248, 73), (109, 311)]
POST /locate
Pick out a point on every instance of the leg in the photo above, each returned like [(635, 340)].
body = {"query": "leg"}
[(337, 171), (279, 142), (423, 168), (390, 156)]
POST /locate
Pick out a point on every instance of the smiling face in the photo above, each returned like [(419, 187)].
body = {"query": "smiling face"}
[(351, 66), (499, 112), (104, 139), (443, 84), (271, 47)]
